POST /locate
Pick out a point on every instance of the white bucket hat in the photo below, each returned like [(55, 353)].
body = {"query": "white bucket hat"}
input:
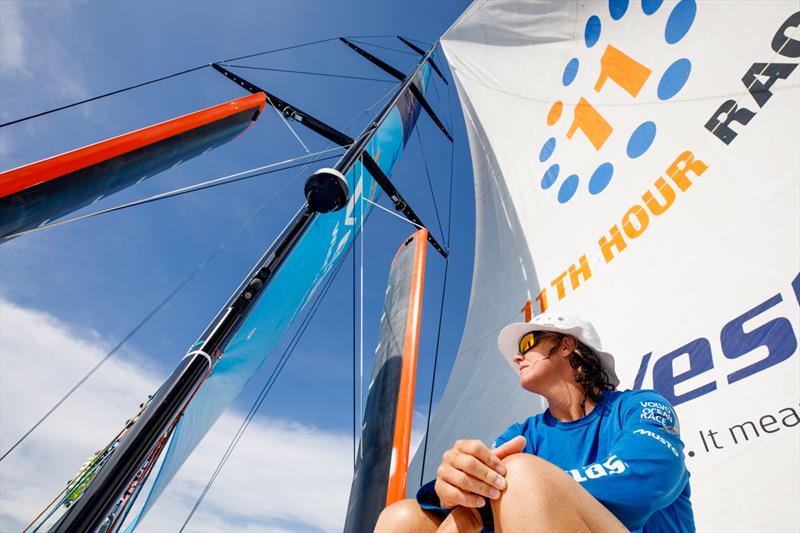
[(508, 340)]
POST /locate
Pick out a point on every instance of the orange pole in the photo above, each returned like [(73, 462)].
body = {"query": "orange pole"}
[(398, 473)]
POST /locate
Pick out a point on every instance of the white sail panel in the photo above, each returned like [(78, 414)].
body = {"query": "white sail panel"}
[(636, 163)]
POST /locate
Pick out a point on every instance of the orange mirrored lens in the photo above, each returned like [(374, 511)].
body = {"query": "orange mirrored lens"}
[(526, 342)]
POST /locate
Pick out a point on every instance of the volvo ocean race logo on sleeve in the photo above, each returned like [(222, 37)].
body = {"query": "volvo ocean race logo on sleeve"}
[(594, 126)]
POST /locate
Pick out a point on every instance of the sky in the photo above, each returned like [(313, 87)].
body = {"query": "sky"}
[(70, 293)]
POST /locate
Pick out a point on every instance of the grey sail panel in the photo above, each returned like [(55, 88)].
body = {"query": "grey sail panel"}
[(374, 461)]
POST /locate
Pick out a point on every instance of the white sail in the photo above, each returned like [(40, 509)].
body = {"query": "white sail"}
[(637, 164)]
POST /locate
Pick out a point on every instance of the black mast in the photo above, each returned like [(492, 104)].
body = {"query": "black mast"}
[(326, 191)]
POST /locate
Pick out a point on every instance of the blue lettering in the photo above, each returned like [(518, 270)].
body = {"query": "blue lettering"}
[(700, 361), (776, 335)]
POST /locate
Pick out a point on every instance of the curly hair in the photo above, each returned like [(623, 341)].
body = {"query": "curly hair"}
[(589, 372)]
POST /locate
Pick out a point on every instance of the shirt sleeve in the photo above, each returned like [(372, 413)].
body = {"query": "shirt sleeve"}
[(513, 431), (644, 470)]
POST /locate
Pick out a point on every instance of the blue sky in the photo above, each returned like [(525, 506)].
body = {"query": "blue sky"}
[(93, 280)]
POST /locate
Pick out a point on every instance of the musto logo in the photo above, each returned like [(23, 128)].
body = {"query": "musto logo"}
[(618, 67)]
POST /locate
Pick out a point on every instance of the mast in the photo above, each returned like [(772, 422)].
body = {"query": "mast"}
[(325, 191)]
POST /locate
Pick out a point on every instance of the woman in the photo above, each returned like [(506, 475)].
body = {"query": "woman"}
[(621, 451)]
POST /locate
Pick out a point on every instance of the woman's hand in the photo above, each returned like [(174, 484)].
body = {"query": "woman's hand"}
[(470, 471)]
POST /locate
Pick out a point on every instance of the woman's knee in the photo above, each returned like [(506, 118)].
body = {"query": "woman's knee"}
[(403, 515), (532, 476)]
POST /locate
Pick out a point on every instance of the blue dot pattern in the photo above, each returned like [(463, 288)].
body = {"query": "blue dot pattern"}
[(570, 71), (641, 139), (550, 176), (680, 21), (601, 178), (617, 8), (547, 149), (674, 78), (651, 6), (672, 81), (568, 188), (592, 32)]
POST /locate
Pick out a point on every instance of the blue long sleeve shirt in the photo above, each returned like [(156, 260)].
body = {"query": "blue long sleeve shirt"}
[(627, 453)]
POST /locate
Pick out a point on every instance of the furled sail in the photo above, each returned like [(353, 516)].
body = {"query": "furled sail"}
[(381, 466), (319, 249), (636, 163), (33, 194)]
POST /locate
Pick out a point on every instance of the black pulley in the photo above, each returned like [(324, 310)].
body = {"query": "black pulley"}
[(326, 190)]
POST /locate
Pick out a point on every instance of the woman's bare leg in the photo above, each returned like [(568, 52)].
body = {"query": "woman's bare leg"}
[(462, 520), (542, 497), (405, 516)]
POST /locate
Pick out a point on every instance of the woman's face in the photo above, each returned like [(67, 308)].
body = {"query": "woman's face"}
[(544, 364)]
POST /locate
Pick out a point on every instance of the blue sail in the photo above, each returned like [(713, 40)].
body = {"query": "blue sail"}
[(301, 275)]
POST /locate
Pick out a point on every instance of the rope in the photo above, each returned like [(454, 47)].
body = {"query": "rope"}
[(441, 306), (430, 185), (224, 180), (345, 76)]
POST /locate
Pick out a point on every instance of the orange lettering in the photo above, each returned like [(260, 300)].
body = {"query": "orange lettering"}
[(616, 240), (558, 283), (582, 270), (683, 164), (642, 220), (666, 191)]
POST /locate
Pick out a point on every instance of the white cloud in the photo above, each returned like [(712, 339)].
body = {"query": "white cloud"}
[(283, 474), (12, 39), (30, 53)]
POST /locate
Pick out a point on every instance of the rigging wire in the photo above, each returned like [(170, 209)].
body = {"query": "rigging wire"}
[(361, 314), (268, 385), (430, 185), (345, 76), (162, 78), (290, 348), (386, 48), (292, 47), (287, 353), (354, 361), (224, 180), (401, 217), (183, 283), (394, 36), (441, 306), (286, 122), (155, 310)]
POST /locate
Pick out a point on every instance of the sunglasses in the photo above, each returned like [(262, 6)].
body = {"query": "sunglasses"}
[(529, 340)]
